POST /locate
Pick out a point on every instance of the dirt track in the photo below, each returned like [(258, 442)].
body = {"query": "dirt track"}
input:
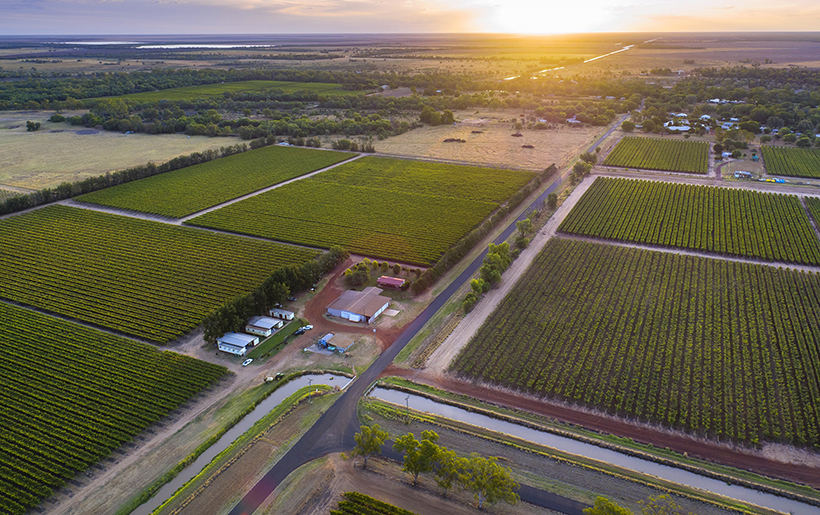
[(441, 358), (746, 459)]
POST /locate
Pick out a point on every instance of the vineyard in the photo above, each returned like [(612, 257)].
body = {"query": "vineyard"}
[(142, 278), (794, 162), (657, 154), (355, 503), (464, 182), (725, 220), (714, 347), (412, 212), (188, 190), (72, 394)]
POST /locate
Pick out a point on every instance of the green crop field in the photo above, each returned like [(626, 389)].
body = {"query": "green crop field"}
[(721, 348), (72, 394), (188, 190), (659, 154), (403, 210), (147, 279), (355, 503), (210, 90), (794, 162), (725, 220)]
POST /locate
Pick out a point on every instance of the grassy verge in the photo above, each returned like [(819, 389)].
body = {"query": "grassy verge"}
[(226, 458), (275, 342), (435, 323), (625, 445), (394, 412)]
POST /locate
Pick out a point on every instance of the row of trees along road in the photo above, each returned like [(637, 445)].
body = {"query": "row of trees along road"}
[(489, 481)]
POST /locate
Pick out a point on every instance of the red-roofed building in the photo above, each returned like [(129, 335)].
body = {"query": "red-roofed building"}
[(390, 282)]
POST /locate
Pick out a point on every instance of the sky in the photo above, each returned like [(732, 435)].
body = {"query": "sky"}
[(53, 17)]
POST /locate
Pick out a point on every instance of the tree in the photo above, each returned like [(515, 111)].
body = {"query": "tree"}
[(582, 168), (369, 441), (718, 148), (648, 126), (495, 262), (803, 142), (396, 268), (489, 481), (589, 157), (661, 505), (420, 456), (447, 117), (552, 201), (774, 122), (750, 126), (469, 301), (448, 468), (790, 137), (479, 286), (628, 126), (604, 506), (524, 226), (32, 126), (765, 138)]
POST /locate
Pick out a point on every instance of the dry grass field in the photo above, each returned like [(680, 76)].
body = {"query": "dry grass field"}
[(494, 145), (60, 152)]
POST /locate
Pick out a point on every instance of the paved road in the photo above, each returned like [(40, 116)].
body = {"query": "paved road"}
[(334, 430)]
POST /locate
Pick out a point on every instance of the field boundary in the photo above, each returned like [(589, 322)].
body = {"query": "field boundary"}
[(184, 219), (440, 359)]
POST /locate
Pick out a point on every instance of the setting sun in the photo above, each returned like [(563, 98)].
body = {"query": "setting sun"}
[(536, 17)]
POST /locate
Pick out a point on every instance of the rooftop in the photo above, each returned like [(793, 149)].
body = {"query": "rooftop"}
[(366, 302), (237, 339)]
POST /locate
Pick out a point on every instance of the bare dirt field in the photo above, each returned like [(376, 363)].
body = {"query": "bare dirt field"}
[(494, 145), (316, 489), (60, 152), (219, 491)]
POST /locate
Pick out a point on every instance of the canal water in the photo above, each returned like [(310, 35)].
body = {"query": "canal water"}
[(587, 450)]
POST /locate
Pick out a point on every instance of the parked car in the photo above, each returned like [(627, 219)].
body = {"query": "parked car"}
[(299, 331), (308, 327), (247, 362), (292, 298)]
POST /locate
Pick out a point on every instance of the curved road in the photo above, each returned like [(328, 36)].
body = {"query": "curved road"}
[(334, 430)]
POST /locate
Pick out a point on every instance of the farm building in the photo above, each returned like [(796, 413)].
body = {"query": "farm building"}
[(281, 314), (390, 282), (236, 343), (743, 175), (324, 341), (359, 306), (263, 326)]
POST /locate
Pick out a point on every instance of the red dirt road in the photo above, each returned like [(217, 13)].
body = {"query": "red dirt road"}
[(704, 450)]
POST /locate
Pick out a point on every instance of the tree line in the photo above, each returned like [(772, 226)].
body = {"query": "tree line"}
[(463, 246), (489, 481), (73, 189), (275, 289)]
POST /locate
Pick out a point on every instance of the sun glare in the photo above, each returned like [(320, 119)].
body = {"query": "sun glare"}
[(541, 17)]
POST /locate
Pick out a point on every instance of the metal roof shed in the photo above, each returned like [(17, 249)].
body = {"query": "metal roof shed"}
[(359, 306)]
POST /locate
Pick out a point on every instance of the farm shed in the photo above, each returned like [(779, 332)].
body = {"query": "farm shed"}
[(263, 326), (324, 341), (390, 282), (236, 343), (359, 306), (282, 314)]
